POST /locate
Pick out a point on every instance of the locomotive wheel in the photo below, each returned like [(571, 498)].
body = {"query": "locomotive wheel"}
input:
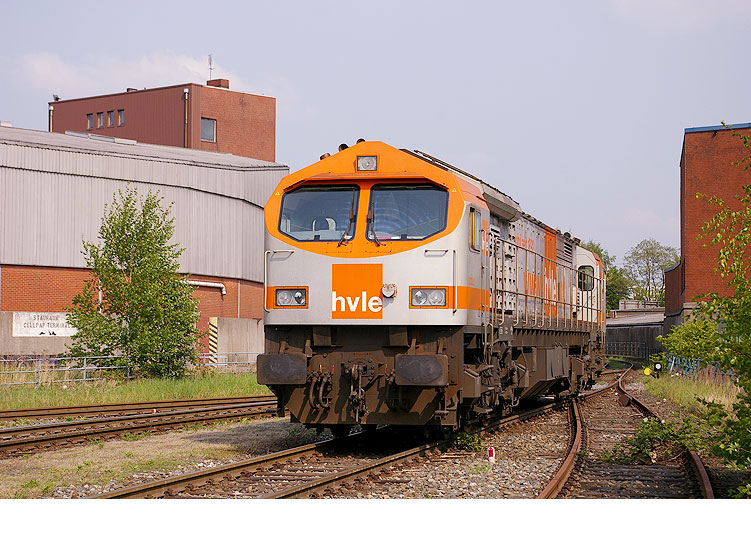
[(340, 431)]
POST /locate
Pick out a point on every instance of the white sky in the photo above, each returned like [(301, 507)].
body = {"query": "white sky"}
[(576, 109)]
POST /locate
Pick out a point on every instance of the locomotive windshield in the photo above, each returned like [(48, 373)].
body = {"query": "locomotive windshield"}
[(319, 213), (406, 212)]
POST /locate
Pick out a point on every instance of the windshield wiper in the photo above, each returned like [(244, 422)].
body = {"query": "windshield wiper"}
[(371, 222), (351, 220)]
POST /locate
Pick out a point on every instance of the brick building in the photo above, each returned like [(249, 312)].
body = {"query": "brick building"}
[(209, 117), (53, 188), (706, 168)]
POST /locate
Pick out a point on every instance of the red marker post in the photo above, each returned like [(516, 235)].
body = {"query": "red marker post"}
[(491, 454)]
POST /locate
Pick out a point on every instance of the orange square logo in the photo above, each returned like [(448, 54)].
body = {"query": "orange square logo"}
[(356, 291)]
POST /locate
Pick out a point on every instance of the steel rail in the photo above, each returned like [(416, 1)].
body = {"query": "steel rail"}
[(123, 408), (705, 486), (176, 483), (562, 475), (18, 439)]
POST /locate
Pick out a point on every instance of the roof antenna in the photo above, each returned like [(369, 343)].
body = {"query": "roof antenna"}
[(211, 65)]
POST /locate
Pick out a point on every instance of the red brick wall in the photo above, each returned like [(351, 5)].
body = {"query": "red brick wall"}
[(245, 123), (26, 288), (673, 301), (154, 116), (706, 168), (29, 288)]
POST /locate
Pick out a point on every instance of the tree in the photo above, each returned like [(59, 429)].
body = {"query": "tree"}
[(645, 264), (146, 315), (618, 283)]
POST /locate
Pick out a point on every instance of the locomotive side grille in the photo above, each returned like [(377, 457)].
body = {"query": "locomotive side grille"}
[(565, 251)]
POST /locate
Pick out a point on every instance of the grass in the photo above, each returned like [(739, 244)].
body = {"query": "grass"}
[(213, 385), (686, 392), (484, 468)]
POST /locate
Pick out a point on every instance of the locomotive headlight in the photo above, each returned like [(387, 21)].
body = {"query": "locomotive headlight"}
[(367, 162), (428, 297), (291, 297)]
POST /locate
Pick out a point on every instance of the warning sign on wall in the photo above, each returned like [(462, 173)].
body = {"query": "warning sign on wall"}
[(29, 324)]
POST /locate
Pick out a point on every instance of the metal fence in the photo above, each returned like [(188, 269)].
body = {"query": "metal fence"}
[(229, 362), (701, 370), (43, 370), (630, 350)]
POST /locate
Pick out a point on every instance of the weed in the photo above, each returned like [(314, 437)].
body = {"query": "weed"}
[(470, 443), (193, 426), (128, 454), (129, 436), (483, 468), (99, 443), (30, 484), (655, 439)]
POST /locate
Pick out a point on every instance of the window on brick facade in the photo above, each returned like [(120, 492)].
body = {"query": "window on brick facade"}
[(120, 117), (110, 118), (208, 129), (89, 121), (100, 119)]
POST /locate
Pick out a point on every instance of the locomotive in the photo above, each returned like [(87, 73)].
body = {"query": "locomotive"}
[(402, 290)]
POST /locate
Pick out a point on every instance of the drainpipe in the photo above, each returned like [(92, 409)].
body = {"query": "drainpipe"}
[(185, 126), (208, 284)]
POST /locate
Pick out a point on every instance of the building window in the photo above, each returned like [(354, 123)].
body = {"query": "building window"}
[(110, 118), (120, 117), (89, 121), (100, 119), (208, 129)]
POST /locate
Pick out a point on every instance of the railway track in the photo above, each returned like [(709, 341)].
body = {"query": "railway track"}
[(42, 437), (314, 470), (117, 409), (596, 427)]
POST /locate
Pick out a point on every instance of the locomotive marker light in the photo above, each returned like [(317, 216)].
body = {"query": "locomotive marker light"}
[(367, 162), (291, 297), (428, 297)]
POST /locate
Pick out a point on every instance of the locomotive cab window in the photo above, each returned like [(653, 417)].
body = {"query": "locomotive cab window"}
[(320, 213), (406, 212), (475, 229), (586, 278)]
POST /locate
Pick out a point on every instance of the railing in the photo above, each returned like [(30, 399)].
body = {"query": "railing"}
[(43, 370), (630, 350), (701, 370), (229, 362)]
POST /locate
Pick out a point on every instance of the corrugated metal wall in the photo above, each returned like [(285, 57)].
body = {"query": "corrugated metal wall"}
[(53, 197)]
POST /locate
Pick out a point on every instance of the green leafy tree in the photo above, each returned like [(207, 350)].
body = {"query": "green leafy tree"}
[(618, 283), (645, 264), (146, 315)]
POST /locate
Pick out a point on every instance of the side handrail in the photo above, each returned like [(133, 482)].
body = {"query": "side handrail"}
[(266, 254)]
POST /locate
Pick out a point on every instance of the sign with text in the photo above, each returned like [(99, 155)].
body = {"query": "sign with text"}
[(31, 324)]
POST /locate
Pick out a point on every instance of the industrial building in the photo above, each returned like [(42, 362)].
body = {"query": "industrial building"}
[(53, 189), (209, 117), (706, 169)]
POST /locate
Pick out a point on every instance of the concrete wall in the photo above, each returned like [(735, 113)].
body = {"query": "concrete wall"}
[(10, 345), (240, 335)]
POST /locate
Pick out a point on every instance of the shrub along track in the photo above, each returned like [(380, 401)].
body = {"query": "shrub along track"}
[(609, 417), (42, 437)]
